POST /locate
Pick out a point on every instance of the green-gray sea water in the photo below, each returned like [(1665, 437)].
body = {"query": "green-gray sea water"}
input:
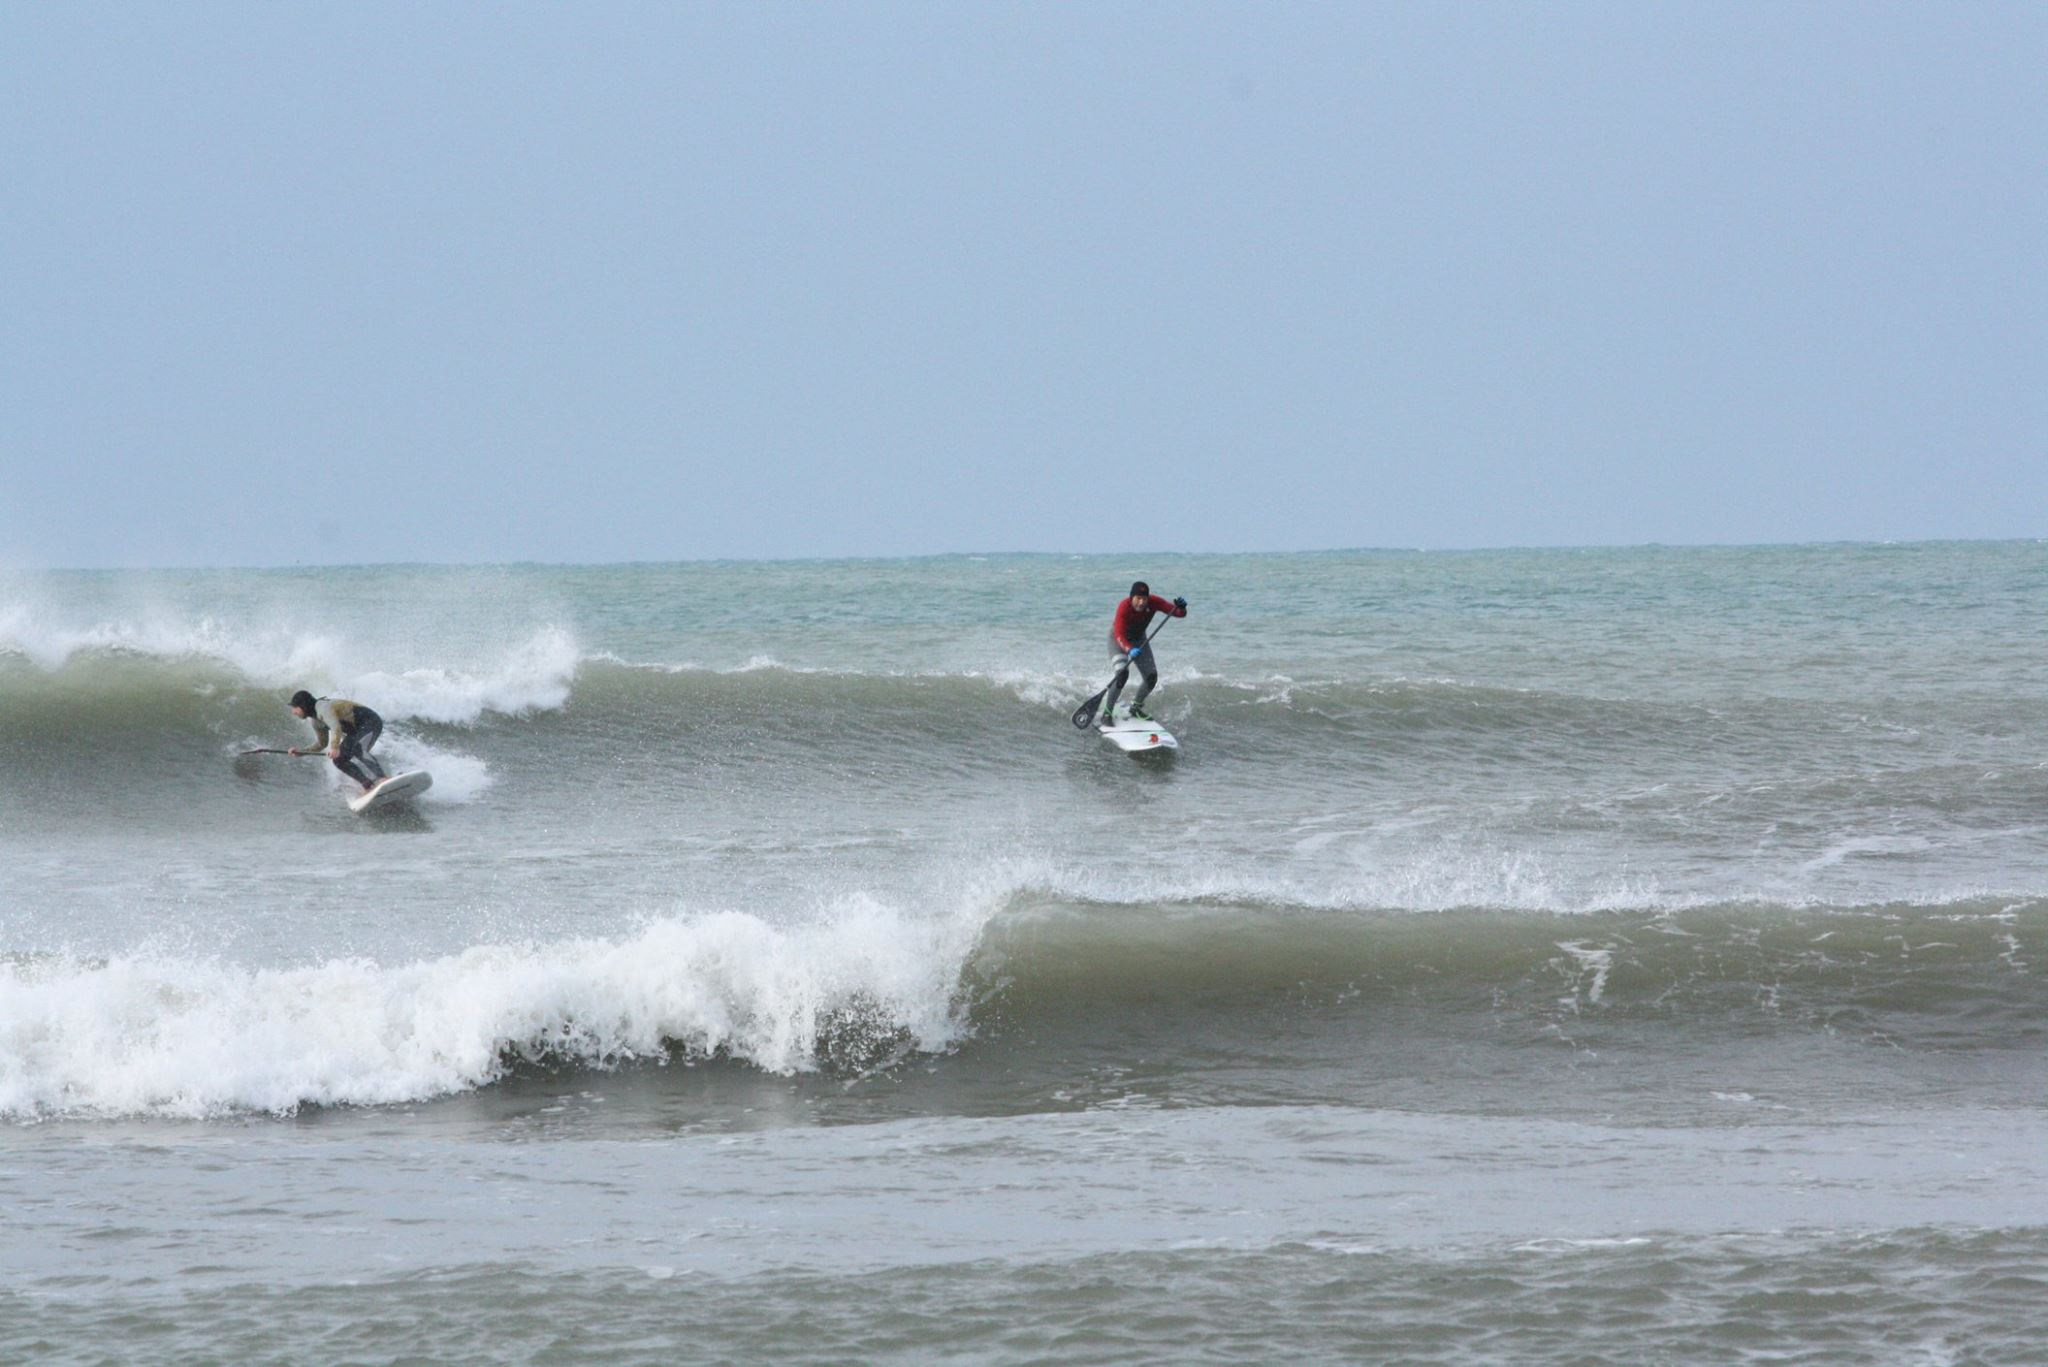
[(1607, 956)]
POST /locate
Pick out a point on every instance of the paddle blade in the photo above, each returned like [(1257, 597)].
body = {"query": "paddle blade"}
[(1084, 715)]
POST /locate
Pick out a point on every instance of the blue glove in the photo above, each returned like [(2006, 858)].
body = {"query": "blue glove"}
[(1136, 651), (1181, 603)]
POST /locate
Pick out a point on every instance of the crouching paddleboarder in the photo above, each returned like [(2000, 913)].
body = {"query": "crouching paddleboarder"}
[(346, 730)]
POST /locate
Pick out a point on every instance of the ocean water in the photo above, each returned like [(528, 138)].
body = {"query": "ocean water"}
[(1608, 956)]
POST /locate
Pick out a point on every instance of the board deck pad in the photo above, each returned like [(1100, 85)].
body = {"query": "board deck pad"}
[(397, 788), (1132, 735)]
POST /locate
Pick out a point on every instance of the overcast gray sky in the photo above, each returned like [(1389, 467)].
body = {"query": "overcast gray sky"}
[(362, 282)]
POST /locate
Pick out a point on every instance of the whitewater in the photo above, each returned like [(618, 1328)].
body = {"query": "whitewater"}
[(1531, 955)]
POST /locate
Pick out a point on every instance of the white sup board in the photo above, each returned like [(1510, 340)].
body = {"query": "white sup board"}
[(397, 788), (1132, 736)]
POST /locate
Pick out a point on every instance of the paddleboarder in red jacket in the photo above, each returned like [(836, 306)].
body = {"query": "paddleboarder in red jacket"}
[(1127, 639)]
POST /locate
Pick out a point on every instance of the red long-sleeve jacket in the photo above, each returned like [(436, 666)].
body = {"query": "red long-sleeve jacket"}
[(1129, 629)]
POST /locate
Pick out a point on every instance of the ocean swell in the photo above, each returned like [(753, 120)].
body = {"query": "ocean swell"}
[(143, 1035)]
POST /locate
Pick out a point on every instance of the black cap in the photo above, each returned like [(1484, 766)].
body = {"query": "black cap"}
[(303, 700), (1141, 587)]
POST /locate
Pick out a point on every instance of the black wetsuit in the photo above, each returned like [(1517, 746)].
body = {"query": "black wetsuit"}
[(355, 759), (359, 727)]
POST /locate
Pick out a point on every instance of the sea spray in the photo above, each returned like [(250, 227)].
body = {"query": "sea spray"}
[(194, 1037)]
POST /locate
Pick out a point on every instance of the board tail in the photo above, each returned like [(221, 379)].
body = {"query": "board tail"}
[(395, 788)]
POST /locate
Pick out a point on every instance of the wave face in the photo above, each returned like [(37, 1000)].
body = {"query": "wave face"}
[(1027, 985), (805, 820)]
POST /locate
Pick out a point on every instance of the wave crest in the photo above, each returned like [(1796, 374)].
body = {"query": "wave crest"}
[(195, 1038), (124, 658)]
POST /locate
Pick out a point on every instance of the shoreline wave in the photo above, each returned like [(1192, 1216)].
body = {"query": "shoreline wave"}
[(867, 986), (140, 1035)]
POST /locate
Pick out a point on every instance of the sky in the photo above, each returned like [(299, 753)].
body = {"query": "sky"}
[(286, 284)]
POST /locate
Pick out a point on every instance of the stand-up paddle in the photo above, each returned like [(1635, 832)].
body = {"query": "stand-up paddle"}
[(1084, 715)]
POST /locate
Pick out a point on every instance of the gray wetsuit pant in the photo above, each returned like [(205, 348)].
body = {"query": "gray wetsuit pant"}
[(1147, 671)]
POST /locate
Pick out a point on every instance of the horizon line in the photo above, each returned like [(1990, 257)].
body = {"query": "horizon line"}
[(1514, 549)]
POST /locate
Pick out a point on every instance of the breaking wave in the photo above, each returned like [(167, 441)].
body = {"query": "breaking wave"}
[(181, 1037), (129, 663), (868, 985)]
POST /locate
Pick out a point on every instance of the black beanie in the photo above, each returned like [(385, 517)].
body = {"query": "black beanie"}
[(303, 700), (1141, 587)]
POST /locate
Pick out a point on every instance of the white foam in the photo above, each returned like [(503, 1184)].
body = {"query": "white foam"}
[(1333, 876), (1596, 960), (191, 1038), (1552, 1246), (458, 778), (1052, 688), (533, 676), (534, 673), (50, 645)]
